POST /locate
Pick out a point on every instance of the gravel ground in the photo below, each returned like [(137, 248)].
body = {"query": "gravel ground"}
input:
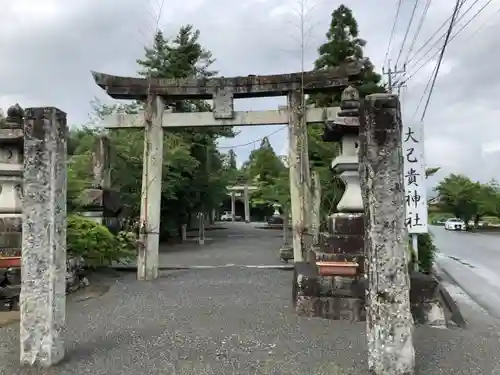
[(235, 320)]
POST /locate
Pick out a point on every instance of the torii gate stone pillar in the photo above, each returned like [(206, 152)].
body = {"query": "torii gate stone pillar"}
[(149, 234)]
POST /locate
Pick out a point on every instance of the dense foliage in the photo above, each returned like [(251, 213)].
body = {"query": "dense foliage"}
[(195, 172), (468, 200)]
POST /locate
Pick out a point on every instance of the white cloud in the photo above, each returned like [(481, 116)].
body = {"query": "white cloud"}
[(48, 51)]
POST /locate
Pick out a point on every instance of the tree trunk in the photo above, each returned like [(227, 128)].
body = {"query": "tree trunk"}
[(389, 319)]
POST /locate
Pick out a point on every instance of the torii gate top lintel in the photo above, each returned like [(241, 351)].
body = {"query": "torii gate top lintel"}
[(251, 86)]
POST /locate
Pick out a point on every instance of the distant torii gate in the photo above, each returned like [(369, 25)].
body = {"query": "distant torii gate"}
[(246, 189), (222, 91)]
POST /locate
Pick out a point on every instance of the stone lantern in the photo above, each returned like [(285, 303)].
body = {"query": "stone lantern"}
[(330, 284), (11, 180)]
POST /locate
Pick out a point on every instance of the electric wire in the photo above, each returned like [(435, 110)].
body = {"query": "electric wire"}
[(436, 33), (410, 22), (417, 32), (391, 37), (486, 21), (451, 39), (458, 5)]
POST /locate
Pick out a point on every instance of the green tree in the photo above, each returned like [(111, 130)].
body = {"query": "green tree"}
[(263, 164), (462, 197), (232, 159), (429, 172), (193, 177), (345, 45)]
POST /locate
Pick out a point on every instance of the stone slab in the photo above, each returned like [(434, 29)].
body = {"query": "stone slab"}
[(335, 308), (346, 223), (342, 243)]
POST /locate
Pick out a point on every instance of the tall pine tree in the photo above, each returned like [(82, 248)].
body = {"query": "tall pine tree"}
[(345, 45)]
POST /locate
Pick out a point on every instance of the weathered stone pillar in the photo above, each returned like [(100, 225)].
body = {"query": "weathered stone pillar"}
[(297, 136), (93, 198), (316, 207), (11, 176), (147, 260), (233, 205), (389, 319), (184, 232), (201, 228), (247, 204), (43, 289)]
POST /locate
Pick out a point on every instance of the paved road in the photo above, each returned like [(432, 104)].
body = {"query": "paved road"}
[(234, 320), (473, 261)]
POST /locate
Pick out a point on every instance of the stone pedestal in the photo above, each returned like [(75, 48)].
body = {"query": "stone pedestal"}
[(43, 288)]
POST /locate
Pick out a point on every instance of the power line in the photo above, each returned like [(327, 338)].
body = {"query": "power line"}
[(451, 39), (483, 24), (419, 29), (458, 5), (392, 31), (254, 141), (426, 90), (436, 32), (390, 74), (410, 22)]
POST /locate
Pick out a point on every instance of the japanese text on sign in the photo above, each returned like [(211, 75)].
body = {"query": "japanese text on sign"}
[(414, 180)]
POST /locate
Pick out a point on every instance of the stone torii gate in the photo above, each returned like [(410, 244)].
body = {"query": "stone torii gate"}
[(155, 92), (237, 189)]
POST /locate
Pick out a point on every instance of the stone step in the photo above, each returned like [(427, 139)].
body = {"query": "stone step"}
[(335, 308), (346, 223), (342, 243)]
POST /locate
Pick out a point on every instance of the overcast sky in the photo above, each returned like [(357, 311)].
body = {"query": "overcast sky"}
[(48, 48)]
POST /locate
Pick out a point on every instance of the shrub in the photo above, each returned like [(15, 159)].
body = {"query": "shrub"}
[(95, 243), (426, 252)]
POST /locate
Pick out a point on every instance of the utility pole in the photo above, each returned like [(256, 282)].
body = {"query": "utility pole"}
[(391, 73)]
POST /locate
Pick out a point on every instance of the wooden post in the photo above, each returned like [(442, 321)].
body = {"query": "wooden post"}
[(316, 207), (389, 319), (297, 134), (147, 259)]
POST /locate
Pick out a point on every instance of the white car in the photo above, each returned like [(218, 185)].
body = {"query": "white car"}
[(455, 224), (227, 216)]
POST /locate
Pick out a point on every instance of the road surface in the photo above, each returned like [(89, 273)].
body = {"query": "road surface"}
[(472, 260), (234, 320)]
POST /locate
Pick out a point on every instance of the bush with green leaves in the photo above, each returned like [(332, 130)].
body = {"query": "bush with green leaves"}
[(96, 244), (426, 252)]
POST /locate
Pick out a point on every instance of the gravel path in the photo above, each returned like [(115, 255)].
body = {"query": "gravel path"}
[(234, 320)]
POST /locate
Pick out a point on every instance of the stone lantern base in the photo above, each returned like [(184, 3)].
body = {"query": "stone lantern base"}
[(341, 297)]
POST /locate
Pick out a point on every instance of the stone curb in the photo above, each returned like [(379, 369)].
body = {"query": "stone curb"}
[(451, 304), (283, 267)]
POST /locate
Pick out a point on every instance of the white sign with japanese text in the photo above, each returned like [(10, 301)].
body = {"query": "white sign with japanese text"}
[(414, 179)]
